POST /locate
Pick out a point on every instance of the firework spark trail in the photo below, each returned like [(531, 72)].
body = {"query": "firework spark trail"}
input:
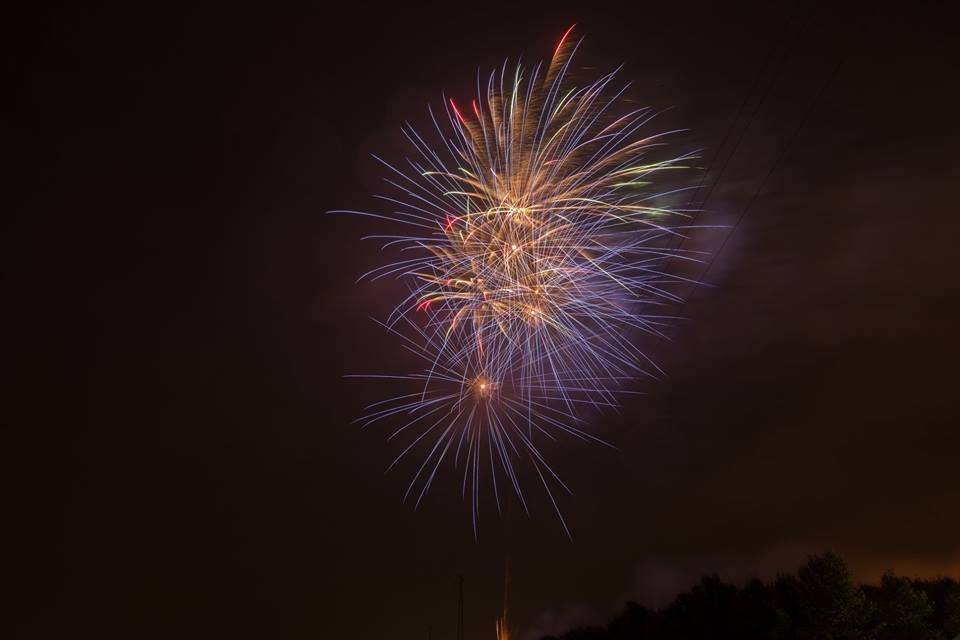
[(539, 241)]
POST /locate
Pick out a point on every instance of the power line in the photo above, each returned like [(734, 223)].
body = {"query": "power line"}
[(773, 167), (743, 105), (756, 111), (743, 132)]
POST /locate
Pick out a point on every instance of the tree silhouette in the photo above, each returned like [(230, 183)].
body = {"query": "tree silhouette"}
[(635, 622), (901, 611), (828, 605), (709, 610), (820, 602), (944, 597)]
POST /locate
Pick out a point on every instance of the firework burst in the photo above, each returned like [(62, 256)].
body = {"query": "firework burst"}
[(537, 234)]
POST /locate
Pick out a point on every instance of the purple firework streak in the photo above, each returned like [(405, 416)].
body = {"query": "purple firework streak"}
[(537, 236)]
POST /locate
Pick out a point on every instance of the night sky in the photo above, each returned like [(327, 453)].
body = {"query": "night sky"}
[(179, 458)]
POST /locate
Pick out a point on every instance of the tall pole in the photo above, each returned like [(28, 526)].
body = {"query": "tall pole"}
[(460, 610), (506, 587), (503, 631)]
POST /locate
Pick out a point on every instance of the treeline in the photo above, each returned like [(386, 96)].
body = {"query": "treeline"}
[(819, 602)]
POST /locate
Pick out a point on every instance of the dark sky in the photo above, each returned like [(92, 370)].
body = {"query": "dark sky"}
[(179, 459)]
